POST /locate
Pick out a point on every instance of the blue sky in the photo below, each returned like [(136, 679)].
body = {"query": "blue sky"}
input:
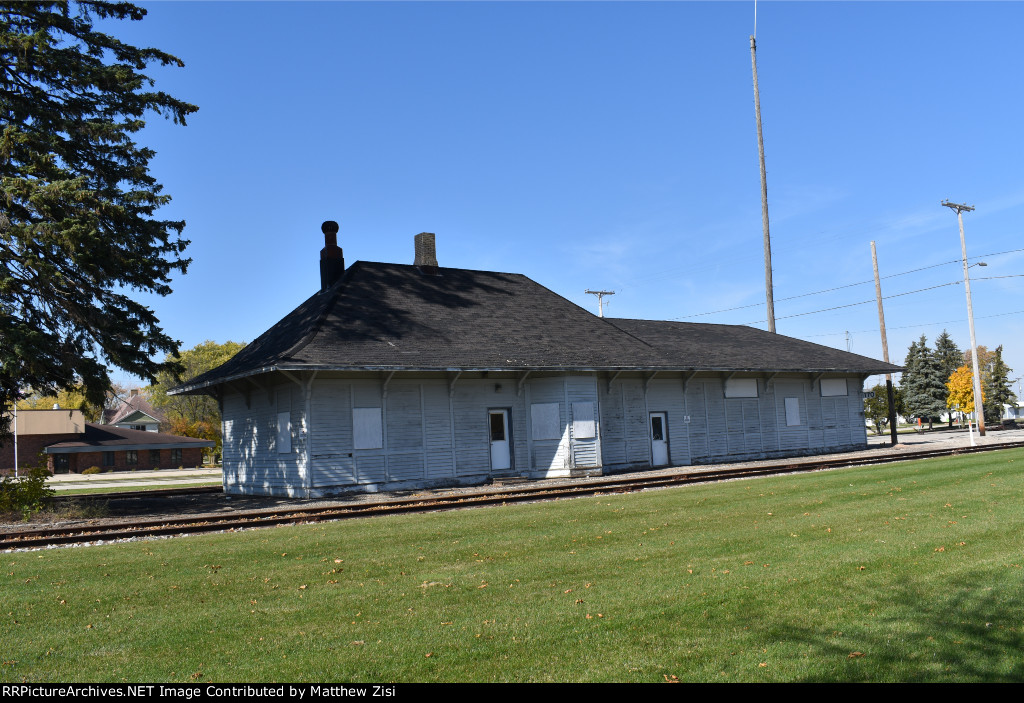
[(605, 145)]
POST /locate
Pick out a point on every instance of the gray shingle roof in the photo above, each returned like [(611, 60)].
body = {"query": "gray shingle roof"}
[(109, 438), (395, 317), (128, 406), (741, 348)]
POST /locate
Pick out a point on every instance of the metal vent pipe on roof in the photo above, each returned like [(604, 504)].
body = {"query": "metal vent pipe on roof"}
[(332, 259)]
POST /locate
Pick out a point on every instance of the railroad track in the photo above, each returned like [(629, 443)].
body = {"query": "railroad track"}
[(37, 538)]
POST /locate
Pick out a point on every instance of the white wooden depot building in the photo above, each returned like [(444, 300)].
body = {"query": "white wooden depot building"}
[(397, 375)]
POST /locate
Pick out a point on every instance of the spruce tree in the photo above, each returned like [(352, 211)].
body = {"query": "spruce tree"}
[(924, 392), (77, 201), (949, 356), (997, 387)]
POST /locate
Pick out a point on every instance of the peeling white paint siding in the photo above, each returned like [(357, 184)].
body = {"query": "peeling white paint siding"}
[(427, 430)]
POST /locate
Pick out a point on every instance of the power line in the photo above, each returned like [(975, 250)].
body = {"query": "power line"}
[(863, 302), (853, 285), (918, 324)]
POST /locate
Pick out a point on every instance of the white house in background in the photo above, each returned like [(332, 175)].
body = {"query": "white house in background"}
[(134, 413), (397, 376)]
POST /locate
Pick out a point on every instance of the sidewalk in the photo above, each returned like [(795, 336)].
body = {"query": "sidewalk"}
[(946, 438), (122, 479)]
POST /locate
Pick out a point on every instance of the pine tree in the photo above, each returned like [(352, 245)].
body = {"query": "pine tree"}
[(997, 387), (77, 201), (950, 358), (923, 389)]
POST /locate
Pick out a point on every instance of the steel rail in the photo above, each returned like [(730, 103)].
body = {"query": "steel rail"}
[(37, 538)]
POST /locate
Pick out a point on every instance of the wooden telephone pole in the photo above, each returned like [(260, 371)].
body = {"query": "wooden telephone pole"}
[(885, 349), (600, 299), (978, 409), (764, 189)]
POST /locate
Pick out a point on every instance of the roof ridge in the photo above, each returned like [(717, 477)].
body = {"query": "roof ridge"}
[(333, 293)]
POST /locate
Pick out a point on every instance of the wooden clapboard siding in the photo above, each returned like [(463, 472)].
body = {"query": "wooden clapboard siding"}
[(767, 418), (250, 451), (718, 428), (437, 419), (613, 423), (638, 443), (371, 464), (551, 454), (796, 437), (404, 448), (666, 395), (433, 431), (332, 460), (586, 452), (472, 441), (696, 409)]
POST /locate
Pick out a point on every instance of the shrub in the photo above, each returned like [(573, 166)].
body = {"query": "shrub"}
[(93, 470), (27, 493)]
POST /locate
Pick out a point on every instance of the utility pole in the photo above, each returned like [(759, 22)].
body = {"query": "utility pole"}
[(600, 299), (769, 294), (885, 350), (16, 435), (978, 409)]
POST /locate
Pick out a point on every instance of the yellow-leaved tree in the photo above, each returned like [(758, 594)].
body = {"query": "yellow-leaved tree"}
[(961, 390)]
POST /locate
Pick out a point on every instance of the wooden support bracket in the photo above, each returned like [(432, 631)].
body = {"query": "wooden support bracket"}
[(451, 383), (686, 380), (648, 378), (387, 380), (612, 380), (521, 382)]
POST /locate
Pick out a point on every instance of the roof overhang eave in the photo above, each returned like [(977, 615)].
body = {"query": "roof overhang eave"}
[(197, 388), (127, 447)]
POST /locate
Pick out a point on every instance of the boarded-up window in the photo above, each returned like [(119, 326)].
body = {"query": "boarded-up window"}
[(583, 426), (284, 433), (545, 420), (367, 430), (833, 386), (792, 412), (741, 388)]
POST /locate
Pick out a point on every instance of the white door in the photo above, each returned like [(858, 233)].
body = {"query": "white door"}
[(501, 458), (659, 439)]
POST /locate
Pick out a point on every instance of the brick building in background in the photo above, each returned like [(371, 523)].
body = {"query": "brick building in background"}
[(64, 442)]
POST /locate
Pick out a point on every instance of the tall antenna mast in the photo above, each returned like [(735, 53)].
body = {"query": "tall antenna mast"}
[(600, 299), (769, 294)]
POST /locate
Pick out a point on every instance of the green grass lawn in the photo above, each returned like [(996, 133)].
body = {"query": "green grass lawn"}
[(905, 572)]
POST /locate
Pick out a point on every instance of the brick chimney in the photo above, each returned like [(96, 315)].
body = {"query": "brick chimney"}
[(332, 260), (426, 256)]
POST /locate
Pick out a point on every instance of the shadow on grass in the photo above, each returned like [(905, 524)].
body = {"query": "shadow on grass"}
[(967, 631)]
